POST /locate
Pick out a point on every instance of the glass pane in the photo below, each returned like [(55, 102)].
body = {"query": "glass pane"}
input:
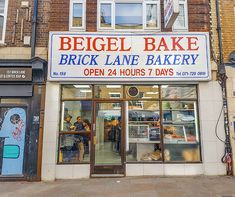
[(180, 20), (105, 15), (109, 91), (1, 26), (182, 152), (77, 15), (143, 131), (180, 129), (75, 146), (173, 92), (108, 134), (71, 110), (76, 91), (151, 15), (144, 92), (2, 6), (128, 16)]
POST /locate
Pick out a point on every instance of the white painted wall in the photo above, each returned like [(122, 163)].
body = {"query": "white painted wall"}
[(210, 103)]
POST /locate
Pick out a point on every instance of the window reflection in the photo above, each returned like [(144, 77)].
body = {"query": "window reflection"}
[(173, 92), (77, 15), (128, 16), (180, 20), (151, 15), (105, 16), (76, 91), (1, 26)]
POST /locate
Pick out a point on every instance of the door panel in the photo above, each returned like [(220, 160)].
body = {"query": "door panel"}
[(12, 140), (108, 154)]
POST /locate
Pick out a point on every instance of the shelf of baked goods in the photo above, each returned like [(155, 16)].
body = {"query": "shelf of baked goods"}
[(137, 140), (178, 134)]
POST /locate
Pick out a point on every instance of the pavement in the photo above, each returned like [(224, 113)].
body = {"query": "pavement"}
[(196, 186)]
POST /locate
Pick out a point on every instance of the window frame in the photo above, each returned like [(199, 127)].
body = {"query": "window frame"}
[(174, 27), (83, 27), (4, 15), (144, 22), (160, 99)]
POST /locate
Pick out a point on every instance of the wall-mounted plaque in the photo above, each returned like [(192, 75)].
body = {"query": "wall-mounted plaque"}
[(15, 74)]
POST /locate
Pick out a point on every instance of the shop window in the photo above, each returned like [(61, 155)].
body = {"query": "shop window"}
[(143, 132), (142, 92), (181, 22), (75, 128), (117, 15), (76, 91), (77, 14), (109, 91), (180, 131), (178, 92), (3, 17)]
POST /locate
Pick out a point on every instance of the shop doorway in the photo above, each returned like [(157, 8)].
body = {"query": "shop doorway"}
[(12, 140), (108, 147)]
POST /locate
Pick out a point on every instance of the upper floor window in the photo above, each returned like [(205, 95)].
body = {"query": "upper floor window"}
[(132, 15), (181, 23), (3, 16), (77, 15)]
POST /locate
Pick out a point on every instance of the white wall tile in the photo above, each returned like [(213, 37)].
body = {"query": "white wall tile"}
[(48, 172), (49, 153), (153, 169), (81, 171), (221, 169), (51, 132), (209, 151), (210, 169), (193, 169), (135, 169), (64, 172), (208, 130), (52, 91), (174, 169), (205, 91), (206, 111), (52, 111)]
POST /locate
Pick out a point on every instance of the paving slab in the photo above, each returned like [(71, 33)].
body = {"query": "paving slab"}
[(151, 186)]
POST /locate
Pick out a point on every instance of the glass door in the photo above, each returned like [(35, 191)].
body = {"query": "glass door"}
[(108, 143)]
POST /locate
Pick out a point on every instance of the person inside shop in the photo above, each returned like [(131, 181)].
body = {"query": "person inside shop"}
[(86, 136), (68, 139), (79, 127)]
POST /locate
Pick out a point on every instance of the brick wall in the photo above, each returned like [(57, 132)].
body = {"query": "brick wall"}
[(228, 27), (199, 19), (14, 35)]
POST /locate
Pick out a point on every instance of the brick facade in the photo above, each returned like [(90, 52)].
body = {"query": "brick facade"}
[(14, 35), (228, 27), (199, 19)]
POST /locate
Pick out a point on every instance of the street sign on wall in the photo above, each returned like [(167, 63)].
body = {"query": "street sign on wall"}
[(15, 74), (125, 57), (171, 11)]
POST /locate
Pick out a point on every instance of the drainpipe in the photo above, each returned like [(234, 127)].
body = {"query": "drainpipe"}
[(34, 27), (222, 78)]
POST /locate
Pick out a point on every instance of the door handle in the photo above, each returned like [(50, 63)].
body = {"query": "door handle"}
[(94, 140)]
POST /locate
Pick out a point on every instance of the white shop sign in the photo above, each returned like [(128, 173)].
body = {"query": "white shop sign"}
[(128, 57)]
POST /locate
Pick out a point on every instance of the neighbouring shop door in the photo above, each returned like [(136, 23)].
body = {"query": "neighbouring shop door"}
[(108, 149), (12, 140)]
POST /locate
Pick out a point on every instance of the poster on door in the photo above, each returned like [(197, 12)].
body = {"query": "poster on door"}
[(125, 57), (12, 140)]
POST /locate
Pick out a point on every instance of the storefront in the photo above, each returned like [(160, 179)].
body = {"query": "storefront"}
[(128, 104), (21, 91)]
